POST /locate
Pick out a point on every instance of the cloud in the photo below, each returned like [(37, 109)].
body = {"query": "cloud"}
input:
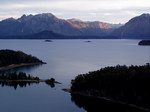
[(103, 10)]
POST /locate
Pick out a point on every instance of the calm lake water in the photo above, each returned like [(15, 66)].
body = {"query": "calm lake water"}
[(65, 59)]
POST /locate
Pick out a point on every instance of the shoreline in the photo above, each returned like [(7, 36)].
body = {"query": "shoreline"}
[(107, 99), (28, 80), (12, 66)]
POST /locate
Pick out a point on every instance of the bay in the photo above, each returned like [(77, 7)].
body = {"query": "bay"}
[(65, 59)]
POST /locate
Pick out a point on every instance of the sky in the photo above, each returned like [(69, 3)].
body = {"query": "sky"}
[(112, 11)]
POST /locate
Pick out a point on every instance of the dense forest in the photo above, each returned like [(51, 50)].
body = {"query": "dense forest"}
[(9, 57), (144, 42), (120, 83)]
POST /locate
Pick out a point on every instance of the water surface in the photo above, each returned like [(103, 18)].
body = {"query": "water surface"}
[(65, 59)]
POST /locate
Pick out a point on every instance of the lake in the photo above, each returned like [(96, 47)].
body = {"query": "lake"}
[(65, 59)]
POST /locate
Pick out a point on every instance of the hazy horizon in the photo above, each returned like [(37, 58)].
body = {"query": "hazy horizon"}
[(116, 11)]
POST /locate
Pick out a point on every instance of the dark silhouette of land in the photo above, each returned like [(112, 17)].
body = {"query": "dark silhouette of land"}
[(11, 59), (22, 79), (144, 43), (119, 84), (93, 104), (52, 35)]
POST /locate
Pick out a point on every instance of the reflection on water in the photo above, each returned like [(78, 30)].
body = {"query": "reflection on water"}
[(15, 85), (22, 84), (23, 68), (99, 105), (52, 85)]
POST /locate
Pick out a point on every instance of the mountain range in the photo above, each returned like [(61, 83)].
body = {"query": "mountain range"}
[(47, 25), (137, 28), (52, 35), (32, 24)]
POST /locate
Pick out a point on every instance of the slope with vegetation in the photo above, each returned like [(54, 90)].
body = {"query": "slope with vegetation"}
[(12, 58), (130, 85)]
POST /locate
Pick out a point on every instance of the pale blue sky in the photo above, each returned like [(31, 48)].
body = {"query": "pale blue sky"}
[(113, 11)]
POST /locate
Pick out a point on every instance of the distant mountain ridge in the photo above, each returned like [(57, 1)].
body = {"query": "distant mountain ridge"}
[(32, 24), (48, 26), (93, 28), (137, 28), (52, 35)]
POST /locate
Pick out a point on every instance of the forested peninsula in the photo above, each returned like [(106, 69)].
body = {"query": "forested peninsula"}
[(127, 85), (11, 59)]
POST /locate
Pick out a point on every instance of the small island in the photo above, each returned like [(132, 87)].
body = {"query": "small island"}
[(11, 59), (144, 43), (88, 41), (48, 40), (121, 84), (22, 79)]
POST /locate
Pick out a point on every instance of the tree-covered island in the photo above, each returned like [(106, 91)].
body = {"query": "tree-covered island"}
[(127, 85), (144, 43), (11, 59), (22, 79)]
